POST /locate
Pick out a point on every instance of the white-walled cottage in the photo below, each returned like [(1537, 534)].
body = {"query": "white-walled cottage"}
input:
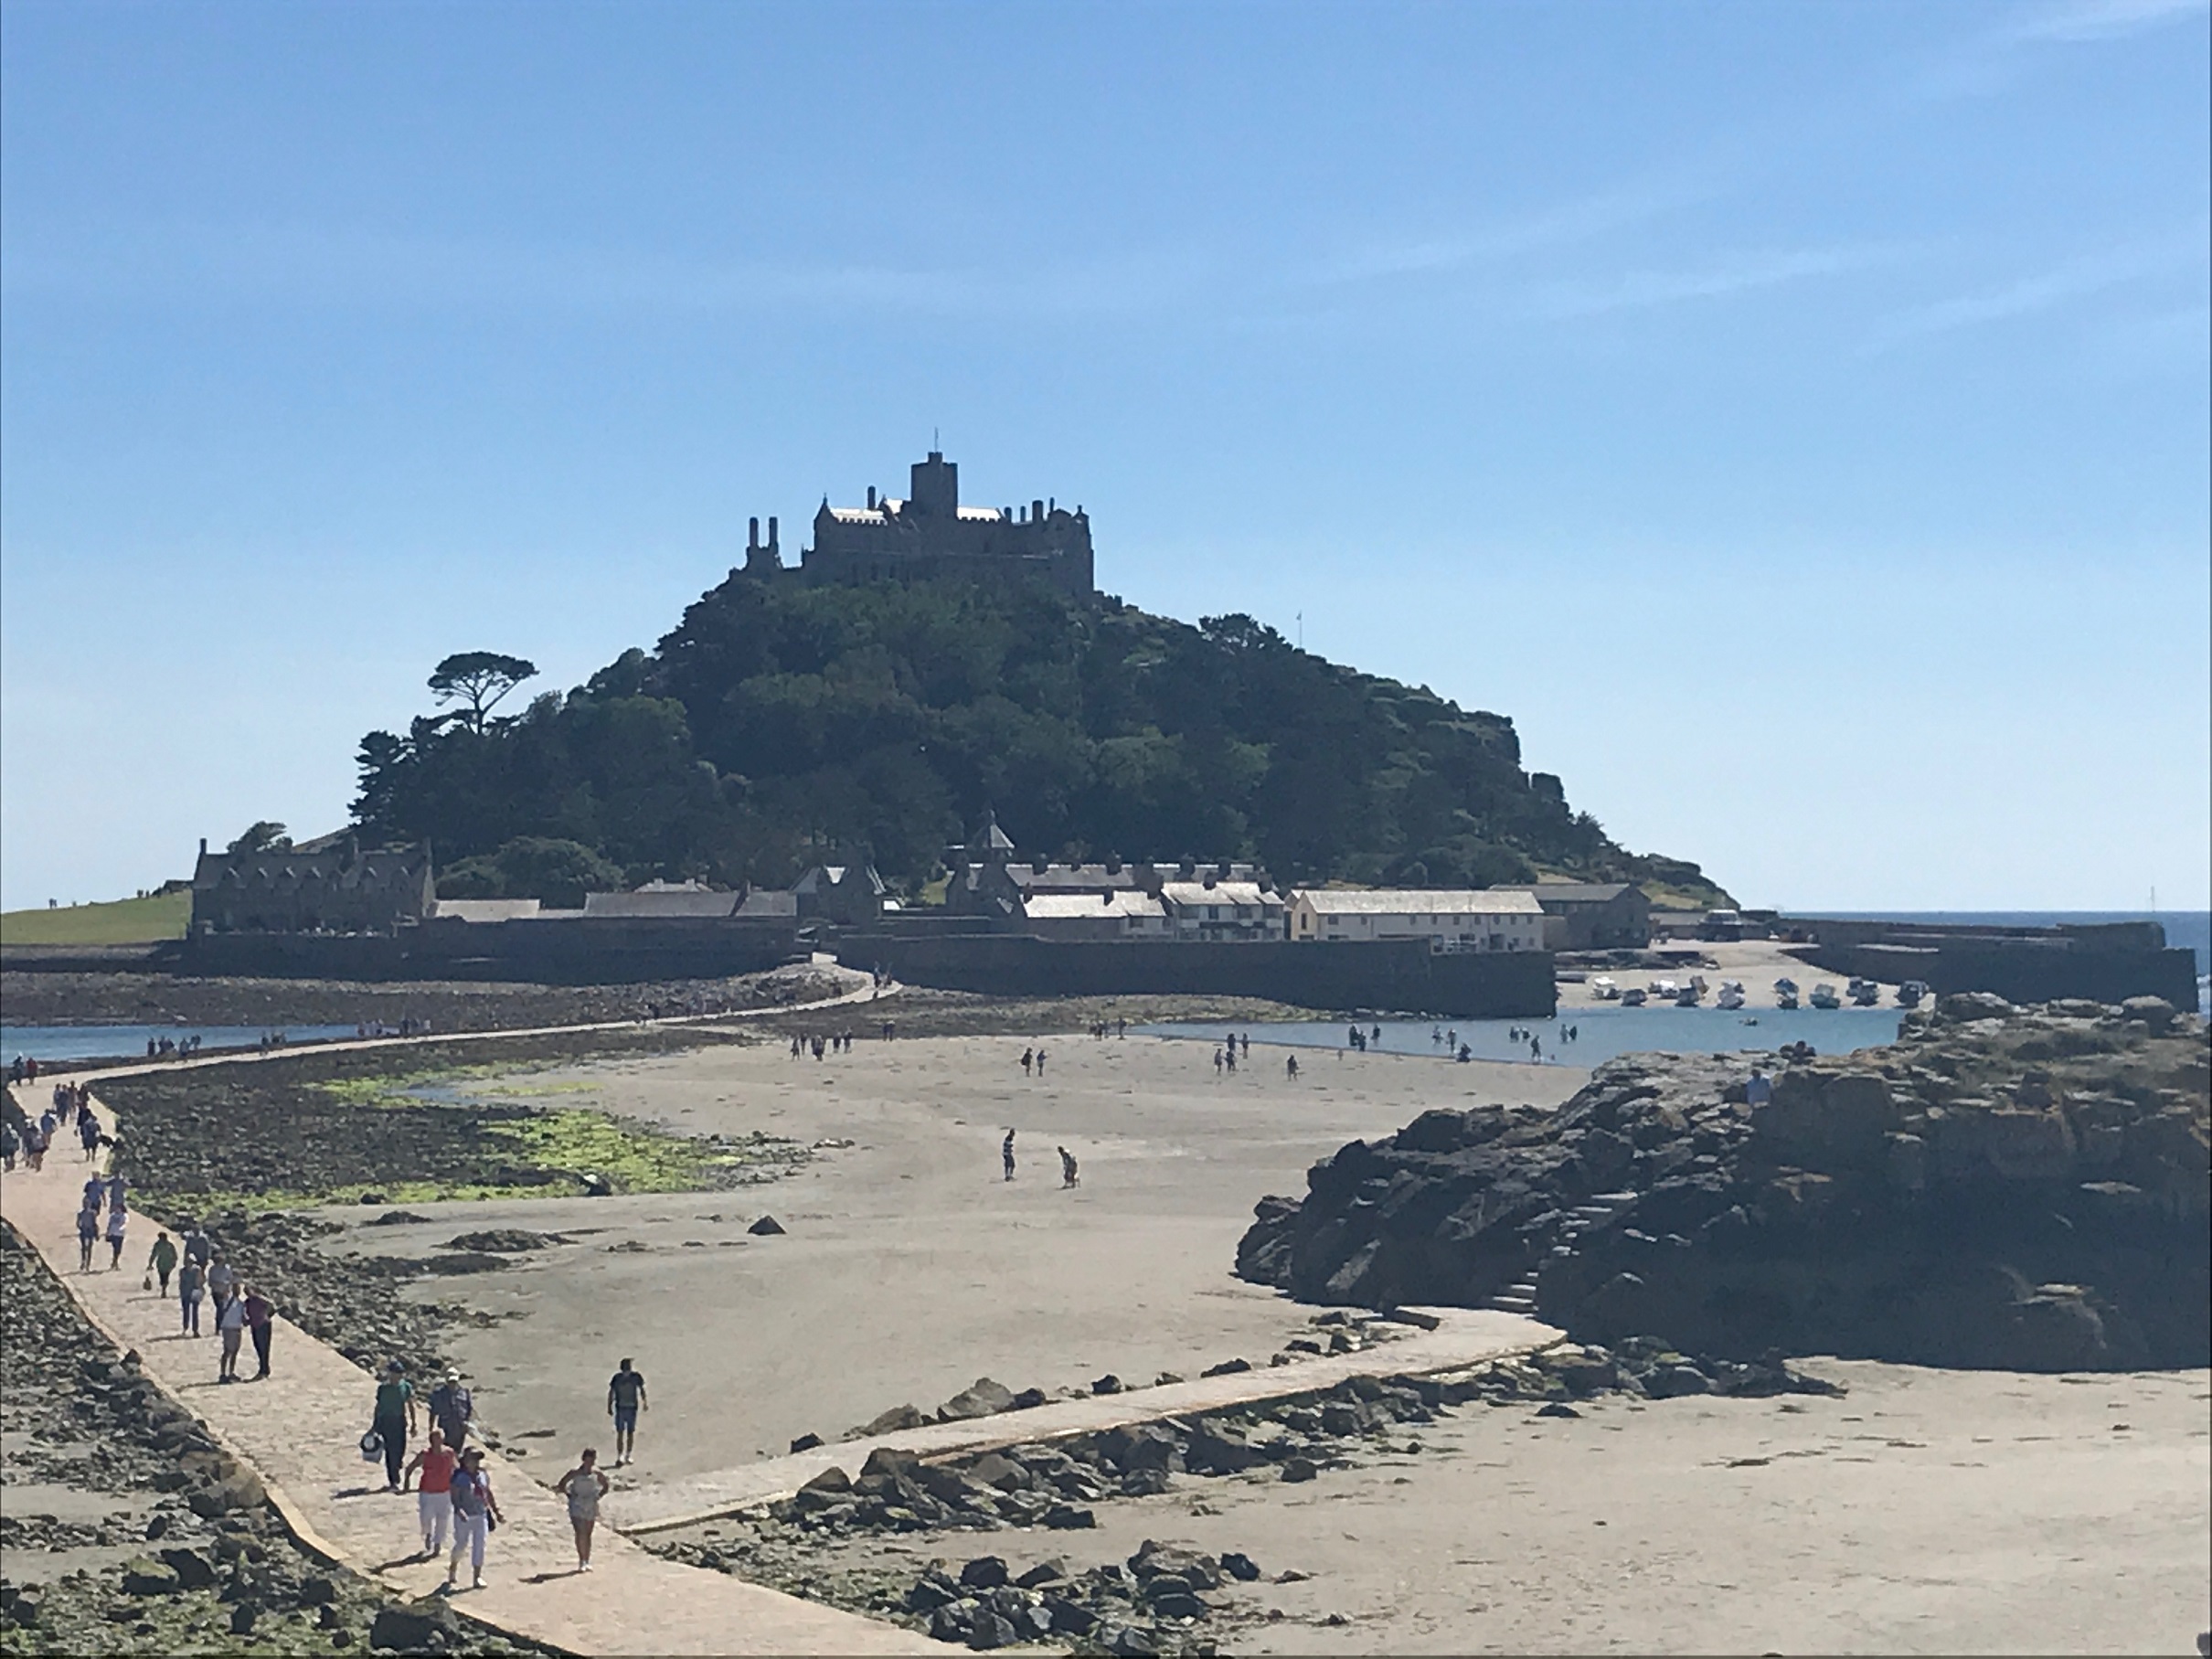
[(1450, 919)]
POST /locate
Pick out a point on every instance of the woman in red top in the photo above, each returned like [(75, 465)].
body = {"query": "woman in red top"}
[(434, 1504)]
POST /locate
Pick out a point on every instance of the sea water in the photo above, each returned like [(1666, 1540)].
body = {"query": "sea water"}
[(1600, 1033), (52, 1043)]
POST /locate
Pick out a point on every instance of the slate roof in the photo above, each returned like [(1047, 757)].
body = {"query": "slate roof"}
[(1419, 901)]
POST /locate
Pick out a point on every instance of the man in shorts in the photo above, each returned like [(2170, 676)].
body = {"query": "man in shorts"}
[(625, 1400), (452, 1407)]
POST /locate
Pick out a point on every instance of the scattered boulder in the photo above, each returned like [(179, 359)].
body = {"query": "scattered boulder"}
[(192, 1570), (411, 1627), (888, 1423), (144, 1576), (767, 1226), (394, 1217), (985, 1572), (500, 1240), (981, 1398), (806, 1443)]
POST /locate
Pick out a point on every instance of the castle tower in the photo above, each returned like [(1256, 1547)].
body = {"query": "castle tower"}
[(762, 558), (935, 491)]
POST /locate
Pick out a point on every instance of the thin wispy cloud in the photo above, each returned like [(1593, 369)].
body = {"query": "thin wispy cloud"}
[(2083, 20), (1582, 220), (1991, 59), (2044, 290), (350, 266), (1743, 272)]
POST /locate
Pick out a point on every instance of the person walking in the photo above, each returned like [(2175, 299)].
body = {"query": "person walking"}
[(87, 1235), (584, 1486), (261, 1325), (34, 1140), (434, 1498), (1068, 1176), (1005, 1153), (475, 1513), (625, 1400), (118, 1220), (395, 1421), (96, 1193), (162, 1260), (191, 1283), (452, 1408), (88, 1133), (231, 1326), (222, 1281), (198, 1247), (9, 1144)]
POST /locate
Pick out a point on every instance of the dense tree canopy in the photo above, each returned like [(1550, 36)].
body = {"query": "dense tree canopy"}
[(780, 723)]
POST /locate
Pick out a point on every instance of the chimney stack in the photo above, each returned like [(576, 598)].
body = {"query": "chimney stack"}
[(752, 535), (871, 498)]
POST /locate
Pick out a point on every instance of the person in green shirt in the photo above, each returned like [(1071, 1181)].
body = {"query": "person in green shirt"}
[(162, 1262), (395, 1419)]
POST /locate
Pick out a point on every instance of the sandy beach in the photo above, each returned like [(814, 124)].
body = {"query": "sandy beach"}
[(910, 1267), (1925, 1510)]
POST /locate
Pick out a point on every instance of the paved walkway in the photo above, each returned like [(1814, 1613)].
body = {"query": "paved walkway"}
[(1463, 1338), (867, 992), (299, 1429)]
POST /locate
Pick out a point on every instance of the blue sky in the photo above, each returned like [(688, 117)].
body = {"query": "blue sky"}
[(1794, 415)]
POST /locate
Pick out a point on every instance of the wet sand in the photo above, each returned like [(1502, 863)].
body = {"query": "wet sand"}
[(910, 1267), (1927, 1512)]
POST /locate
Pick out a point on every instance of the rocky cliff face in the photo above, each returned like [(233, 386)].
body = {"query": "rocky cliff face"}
[(2019, 1189)]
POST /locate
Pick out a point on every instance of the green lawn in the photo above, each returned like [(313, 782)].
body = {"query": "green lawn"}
[(124, 921)]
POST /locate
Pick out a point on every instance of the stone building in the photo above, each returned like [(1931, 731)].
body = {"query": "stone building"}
[(1452, 919), (1592, 915), (1223, 901), (326, 885), (930, 534)]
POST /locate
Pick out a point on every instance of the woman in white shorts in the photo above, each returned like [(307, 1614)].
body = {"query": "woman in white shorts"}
[(583, 1486), (475, 1513)]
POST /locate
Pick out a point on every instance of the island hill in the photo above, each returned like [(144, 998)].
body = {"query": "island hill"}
[(928, 663), (928, 667)]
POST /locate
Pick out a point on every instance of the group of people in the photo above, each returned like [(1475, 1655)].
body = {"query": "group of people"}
[(454, 1491), (1225, 1056), (204, 1274), (1069, 1173), (1114, 1027), (408, 1026), (1033, 1059), (836, 1042), (111, 1193), (172, 1048)]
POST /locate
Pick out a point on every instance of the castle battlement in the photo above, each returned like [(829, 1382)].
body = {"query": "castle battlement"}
[(929, 534)]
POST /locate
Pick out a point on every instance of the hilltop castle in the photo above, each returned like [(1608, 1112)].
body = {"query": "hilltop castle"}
[(930, 534)]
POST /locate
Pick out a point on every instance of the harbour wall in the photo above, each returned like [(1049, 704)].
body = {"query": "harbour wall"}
[(600, 950), (2105, 962), (1400, 974)]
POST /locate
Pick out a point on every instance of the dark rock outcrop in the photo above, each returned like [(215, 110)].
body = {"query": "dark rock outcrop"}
[(2019, 1188)]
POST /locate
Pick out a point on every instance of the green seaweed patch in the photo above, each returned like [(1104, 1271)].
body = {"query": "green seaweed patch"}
[(404, 1089), (543, 1154)]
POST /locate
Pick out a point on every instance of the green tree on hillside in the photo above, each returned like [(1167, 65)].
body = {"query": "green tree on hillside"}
[(779, 723), (480, 679)]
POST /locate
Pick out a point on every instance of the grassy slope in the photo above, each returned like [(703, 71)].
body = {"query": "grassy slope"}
[(124, 921)]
